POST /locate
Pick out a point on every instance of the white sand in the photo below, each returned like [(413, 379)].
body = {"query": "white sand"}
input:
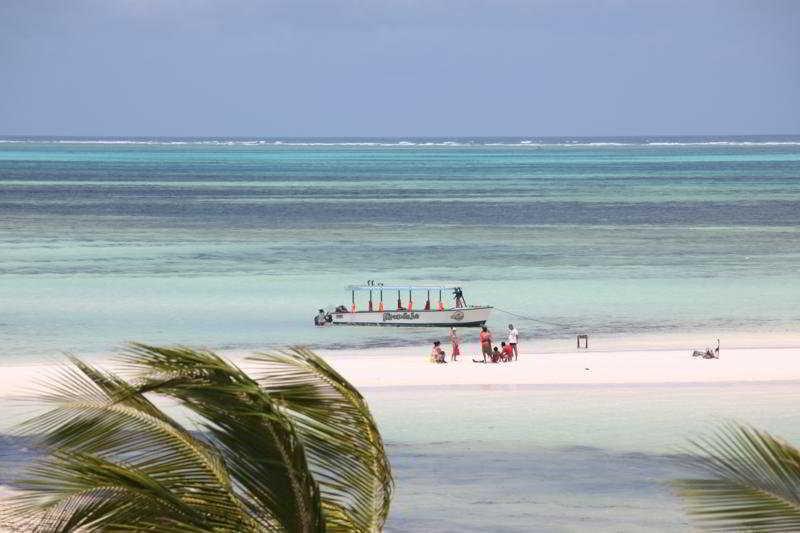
[(606, 363), (404, 368), (389, 367)]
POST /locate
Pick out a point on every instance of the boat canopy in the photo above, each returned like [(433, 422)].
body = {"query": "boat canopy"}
[(402, 287), (373, 287)]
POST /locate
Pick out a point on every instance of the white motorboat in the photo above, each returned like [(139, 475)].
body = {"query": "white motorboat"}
[(408, 313)]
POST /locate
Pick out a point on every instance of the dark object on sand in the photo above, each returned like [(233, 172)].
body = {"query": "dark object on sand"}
[(585, 339), (708, 353)]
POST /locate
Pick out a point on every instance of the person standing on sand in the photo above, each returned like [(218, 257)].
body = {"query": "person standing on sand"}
[(513, 336), (456, 344), (486, 343)]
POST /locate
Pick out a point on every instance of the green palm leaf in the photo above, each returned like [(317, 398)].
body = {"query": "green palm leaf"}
[(296, 450), (115, 461), (339, 437), (259, 445), (343, 445), (754, 483)]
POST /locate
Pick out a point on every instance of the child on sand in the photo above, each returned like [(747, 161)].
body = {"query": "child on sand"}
[(507, 352), (456, 344), (496, 355), (437, 354)]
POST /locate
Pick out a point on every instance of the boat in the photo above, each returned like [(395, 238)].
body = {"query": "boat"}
[(377, 312)]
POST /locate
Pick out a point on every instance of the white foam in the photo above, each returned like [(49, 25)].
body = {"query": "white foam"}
[(403, 143), (727, 143)]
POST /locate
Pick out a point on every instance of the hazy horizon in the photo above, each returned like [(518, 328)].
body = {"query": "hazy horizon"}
[(462, 137)]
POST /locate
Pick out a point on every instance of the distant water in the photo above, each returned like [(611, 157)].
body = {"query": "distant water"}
[(234, 243)]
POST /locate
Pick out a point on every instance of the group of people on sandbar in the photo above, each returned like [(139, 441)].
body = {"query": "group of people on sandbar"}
[(505, 353)]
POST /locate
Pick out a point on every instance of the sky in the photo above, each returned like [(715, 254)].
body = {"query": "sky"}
[(300, 68)]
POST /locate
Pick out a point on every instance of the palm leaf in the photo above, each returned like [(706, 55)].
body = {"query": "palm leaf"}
[(754, 484), (343, 445), (115, 461), (264, 455), (296, 450)]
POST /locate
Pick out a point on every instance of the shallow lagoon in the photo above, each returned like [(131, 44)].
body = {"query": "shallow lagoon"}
[(560, 458), (544, 458), (235, 244)]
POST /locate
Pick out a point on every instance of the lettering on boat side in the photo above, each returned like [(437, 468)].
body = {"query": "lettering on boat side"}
[(458, 315), (400, 316)]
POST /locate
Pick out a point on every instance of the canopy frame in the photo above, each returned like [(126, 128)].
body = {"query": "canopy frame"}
[(360, 288)]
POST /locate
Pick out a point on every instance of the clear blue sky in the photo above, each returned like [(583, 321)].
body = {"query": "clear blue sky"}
[(398, 68)]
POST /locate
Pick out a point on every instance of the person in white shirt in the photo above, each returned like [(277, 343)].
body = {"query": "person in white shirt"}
[(513, 335)]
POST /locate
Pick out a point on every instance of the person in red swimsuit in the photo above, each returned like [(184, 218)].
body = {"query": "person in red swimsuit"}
[(497, 357), (486, 344), (456, 344), (507, 352)]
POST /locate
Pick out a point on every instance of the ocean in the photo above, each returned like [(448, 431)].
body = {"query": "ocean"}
[(558, 458), (235, 243)]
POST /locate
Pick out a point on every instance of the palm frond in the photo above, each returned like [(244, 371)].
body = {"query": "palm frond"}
[(343, 445), (295, 450), (115, 461), (263, 454), (754, 483)]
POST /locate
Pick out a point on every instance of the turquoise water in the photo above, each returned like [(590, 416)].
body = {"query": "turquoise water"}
[(235, 243), (558, 458), (543, 458)]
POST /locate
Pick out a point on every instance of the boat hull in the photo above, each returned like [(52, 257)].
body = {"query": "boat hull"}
[(466, 316)]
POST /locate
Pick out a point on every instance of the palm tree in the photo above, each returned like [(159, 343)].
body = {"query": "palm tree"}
[(754, 483), (293, 448)]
